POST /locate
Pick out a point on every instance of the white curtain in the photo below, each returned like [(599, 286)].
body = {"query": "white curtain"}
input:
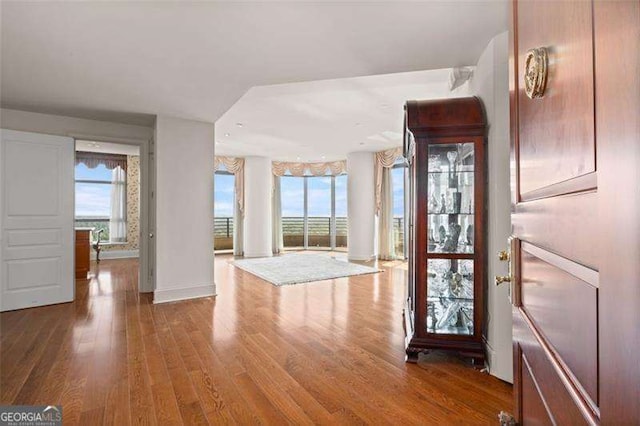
[(384, 202), (386, 237), (276, 217), (118, 218), (238, 225), (384, 159)]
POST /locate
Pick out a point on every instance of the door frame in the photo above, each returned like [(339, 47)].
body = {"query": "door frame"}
[(146, 276)]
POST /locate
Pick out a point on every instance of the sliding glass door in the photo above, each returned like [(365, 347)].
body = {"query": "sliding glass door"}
[(314, 212), (341, 212), (292, 192), (224, 201), (398, 180), (319, 211)]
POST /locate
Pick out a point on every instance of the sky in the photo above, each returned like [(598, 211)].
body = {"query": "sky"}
[(292, 194), (93, 200)]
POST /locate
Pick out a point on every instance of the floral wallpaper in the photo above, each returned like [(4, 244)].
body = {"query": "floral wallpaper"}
[(133, 206)]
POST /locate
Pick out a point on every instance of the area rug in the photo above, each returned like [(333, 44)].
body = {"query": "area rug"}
[(301, 268)]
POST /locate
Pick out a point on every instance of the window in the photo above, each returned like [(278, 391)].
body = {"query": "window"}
[(224, 206), (93, 198), (314, 211)]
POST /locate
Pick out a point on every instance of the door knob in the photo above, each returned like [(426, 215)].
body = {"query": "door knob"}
[(505, 256), (502, 279)]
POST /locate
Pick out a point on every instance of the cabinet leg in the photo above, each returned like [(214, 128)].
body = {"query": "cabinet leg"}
[(412, 355)]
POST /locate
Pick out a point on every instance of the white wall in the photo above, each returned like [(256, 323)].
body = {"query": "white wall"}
[(184, 152), (491, 83), (360, 206), (258, 182), (70, 126)]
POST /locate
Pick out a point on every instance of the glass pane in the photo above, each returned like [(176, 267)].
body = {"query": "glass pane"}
[(397, 180), (319, 215), (224, 205), (450, 296), (93, 207), (450, 198), (93, 200), (292, 195), (341, 211)]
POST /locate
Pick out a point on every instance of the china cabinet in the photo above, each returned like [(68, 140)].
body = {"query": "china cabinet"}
[(445, 148)]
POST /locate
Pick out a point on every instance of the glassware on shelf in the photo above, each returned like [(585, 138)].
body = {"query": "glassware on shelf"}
[(450, 296), (434, 163)]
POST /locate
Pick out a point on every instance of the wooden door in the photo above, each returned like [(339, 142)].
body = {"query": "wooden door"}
[(576, 213), (36, 193)]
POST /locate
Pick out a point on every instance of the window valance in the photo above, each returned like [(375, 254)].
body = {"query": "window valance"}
[(332, 168), (94, 159)]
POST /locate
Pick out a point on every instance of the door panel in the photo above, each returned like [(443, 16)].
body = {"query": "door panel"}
[(36, 261), (557, 131), (564, 310), (536, 412), (573, 214), (552, 384)]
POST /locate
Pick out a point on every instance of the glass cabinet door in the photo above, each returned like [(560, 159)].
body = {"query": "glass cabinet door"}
[(450, 198), (450, 228)]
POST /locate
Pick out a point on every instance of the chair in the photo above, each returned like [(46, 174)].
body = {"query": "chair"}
[(96, 246)]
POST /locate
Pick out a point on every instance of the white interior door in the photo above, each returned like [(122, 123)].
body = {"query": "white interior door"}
[(36, 229)]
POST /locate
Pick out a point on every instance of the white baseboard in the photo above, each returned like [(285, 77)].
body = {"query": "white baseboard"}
[(183, 293), (497, 368), (359, 258), (258, 254), (116, 254)]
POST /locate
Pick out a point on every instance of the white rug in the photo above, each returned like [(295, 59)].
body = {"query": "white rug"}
[(301, 268)]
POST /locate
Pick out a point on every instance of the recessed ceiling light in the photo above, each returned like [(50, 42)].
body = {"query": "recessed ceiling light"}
[(361, 143), (357, 124), (227, 134), (323, 157), (239, 124), (297, 158), (217, 143)]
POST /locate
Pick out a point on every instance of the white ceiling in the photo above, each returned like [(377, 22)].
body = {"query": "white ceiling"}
[(128, 61), (325, 120), (107, 147)]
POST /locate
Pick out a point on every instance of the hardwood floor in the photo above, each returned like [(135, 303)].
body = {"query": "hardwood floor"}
[(329, 352)]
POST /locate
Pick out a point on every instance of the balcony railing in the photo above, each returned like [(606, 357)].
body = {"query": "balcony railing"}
[(319, 231)]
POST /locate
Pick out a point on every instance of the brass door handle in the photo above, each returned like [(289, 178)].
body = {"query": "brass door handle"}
[(505, 256), (512, 256), (502, 279)]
